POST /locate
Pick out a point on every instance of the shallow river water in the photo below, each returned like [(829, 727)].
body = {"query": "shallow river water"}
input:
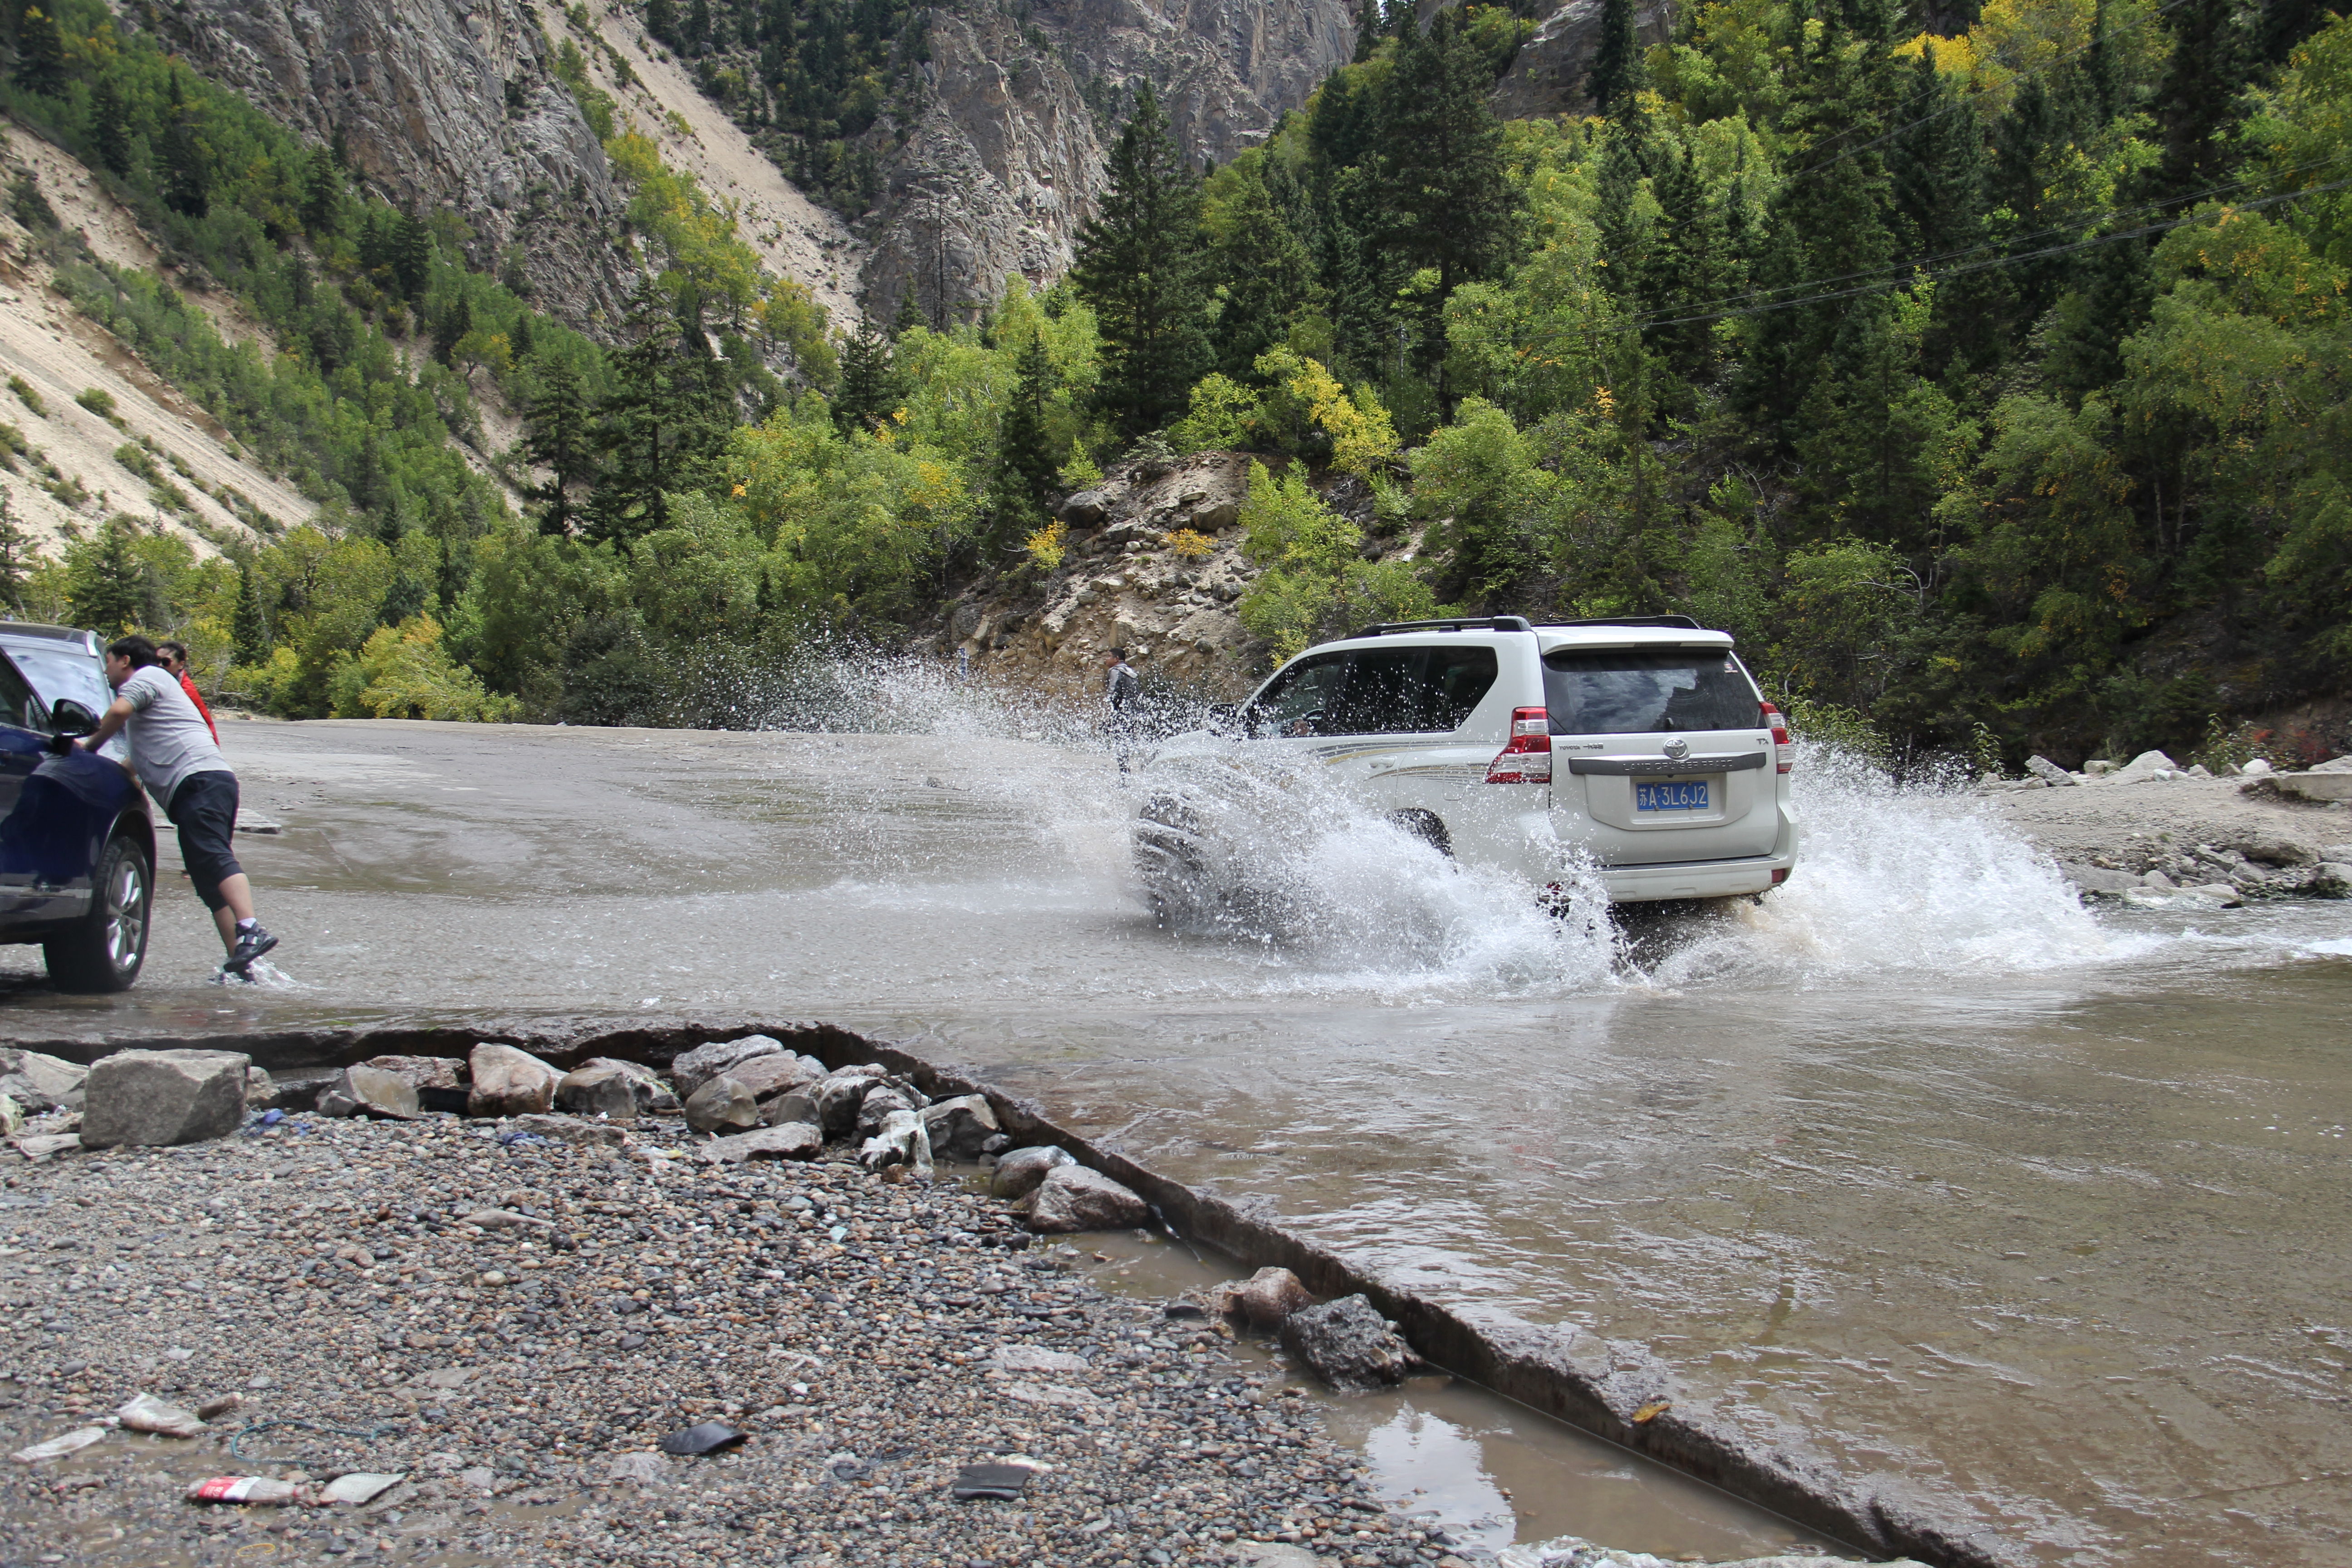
[(2037, 1216)]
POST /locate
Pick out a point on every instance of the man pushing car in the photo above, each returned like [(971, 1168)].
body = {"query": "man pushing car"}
[(173, 751)]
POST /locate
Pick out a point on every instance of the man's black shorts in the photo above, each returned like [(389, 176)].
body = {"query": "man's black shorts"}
[(204, 808)]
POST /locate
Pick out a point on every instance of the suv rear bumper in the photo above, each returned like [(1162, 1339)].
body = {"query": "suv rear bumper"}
[(1698, 879)]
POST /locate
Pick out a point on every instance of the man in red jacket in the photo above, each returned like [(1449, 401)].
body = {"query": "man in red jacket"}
[(174, 656)]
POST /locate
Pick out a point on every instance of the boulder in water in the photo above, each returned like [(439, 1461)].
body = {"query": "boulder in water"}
[(1073, 1198), (1019, 1172), (1348, 1345), (961, 1128)]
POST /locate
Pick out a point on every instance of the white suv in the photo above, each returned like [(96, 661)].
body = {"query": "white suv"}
[(1642, 743)]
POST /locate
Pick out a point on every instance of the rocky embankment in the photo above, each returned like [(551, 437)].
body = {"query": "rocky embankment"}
[(1152, 562), (2153, 833), (762, 1330)]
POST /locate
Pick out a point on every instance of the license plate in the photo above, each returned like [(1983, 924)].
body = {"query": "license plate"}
[(1670, 796)]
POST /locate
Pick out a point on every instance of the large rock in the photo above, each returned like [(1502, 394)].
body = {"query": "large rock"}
[(881, 1102), (1073, 1198), (163, 1096), (898, 1141), (960, 1128), (1348, 1345), (572, 1130), (39, 1083), (705, 1062), (371, 1092), (424, 1072), (1019, 1172), (2048, 772), (604, 1090), (793, 1140), (509, 1082), (839, 1095), (722, 1105), (2327, 783), (778, 1072), (1268, 1298), (2142, 768), (788, 1109)]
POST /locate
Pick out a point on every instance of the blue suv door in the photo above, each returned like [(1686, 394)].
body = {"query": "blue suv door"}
[(56, 812)]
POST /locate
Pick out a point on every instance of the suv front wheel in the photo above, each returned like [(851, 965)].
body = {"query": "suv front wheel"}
[(103, 950)]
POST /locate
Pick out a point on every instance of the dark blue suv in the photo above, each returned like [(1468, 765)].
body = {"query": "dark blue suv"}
[(77, 841)]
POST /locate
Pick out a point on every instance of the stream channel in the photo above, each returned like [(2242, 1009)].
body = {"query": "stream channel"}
[(2032, 1218)]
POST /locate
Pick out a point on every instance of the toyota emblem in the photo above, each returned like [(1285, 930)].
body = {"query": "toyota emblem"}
[(1678, 748)]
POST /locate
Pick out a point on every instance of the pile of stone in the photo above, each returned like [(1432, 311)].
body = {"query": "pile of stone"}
[(1345, 1343)]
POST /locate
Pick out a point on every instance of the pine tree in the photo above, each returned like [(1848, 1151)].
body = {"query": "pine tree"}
[(697, 38), (663, 423), (322, 195), (871, 386), (1368, 30), (661, 20), (106, 584), (1025, 466), (41, 54), (187, 172), (16, 552), (2198, 102), (1263, 275), (1453, 207), (1935, 173), (109, 125), (1139, 265), (559, 437), (910, 312), (246, 629), (450, 327), (412, 255), (1616, 73)]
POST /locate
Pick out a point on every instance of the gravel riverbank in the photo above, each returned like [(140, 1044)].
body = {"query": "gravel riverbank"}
[(520, 1370), (513, 1324)]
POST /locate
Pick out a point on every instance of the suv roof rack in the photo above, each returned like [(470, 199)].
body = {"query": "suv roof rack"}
[(1681, 622), (45, 633), (1450, 624)]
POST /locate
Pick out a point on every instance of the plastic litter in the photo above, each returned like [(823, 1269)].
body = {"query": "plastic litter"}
[(520, 1140), (706, 1438), (360, 1487), (149, 1414), (1003, 1482), (57, 1448), (259, 1490)]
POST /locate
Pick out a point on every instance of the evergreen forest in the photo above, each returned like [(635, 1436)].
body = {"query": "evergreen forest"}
[(1982, 371)]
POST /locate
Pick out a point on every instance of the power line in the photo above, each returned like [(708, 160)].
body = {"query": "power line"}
[(1884, 284)]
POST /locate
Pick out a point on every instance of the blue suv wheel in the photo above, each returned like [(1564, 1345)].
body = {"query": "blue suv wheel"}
[(103, 950)]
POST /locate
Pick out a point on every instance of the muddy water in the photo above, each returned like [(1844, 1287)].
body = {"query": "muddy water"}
[(2036, 1217)]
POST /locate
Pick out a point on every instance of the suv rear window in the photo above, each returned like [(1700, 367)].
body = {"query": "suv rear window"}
[(1628, 691)]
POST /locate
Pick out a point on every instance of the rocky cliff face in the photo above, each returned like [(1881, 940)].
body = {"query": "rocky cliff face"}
[(1005, 162), (1122, 584), (1548, 76), (419, 89)]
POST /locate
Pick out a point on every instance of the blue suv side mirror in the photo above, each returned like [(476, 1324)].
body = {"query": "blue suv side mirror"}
[(70, 721)]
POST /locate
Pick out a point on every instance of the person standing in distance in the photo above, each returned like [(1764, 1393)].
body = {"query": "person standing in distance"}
[(173, 752), (1121, 687), (173, 658)]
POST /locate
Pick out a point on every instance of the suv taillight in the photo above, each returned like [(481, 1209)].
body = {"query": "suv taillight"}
[(1528, 759), (1784, 750)]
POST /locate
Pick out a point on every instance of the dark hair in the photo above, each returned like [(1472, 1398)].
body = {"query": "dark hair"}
[(1120, 654), (137, 649), (172, 648)]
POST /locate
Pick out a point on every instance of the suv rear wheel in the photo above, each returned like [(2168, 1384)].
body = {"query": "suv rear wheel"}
[(103, 950)]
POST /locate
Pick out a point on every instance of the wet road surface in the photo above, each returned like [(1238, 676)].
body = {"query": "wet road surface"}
[(2037, 1217)]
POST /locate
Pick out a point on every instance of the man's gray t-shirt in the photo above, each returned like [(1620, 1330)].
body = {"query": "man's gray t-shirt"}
[(168, 737)]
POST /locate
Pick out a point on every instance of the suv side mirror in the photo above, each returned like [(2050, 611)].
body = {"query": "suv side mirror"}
[(70, 720)]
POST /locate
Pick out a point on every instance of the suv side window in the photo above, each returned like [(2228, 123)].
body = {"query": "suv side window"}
[(1298, 700), (18, 706), (1411, 691)]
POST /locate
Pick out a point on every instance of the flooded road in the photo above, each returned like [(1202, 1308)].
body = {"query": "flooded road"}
[(2037, 1217)]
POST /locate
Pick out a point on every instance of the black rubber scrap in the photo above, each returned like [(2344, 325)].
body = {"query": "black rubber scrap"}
[(706, 1438), (1005, 1482)]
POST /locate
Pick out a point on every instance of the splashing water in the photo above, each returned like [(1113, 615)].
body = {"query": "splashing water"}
[(1290, 874)]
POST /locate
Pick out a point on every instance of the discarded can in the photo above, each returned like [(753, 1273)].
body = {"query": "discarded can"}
[(258, 1489)]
